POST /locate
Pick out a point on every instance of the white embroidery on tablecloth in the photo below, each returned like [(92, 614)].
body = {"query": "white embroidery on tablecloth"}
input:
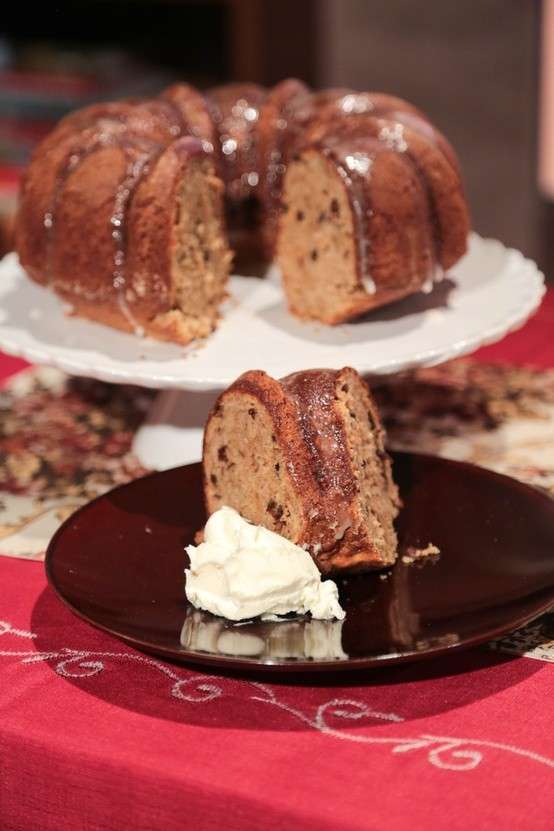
[(73, 663), (444, 752), (7, 629), (464, 759)]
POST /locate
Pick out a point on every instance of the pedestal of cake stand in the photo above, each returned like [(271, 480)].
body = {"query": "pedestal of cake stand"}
[(172, 433)]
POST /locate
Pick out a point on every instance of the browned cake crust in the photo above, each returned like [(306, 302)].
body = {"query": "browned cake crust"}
[(195, 117), (305, 457), (399, 177)]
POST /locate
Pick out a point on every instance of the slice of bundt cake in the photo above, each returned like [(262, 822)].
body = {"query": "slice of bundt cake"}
[(305, 457)]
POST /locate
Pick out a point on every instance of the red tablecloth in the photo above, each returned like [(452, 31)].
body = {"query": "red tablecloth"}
[(96, 736)]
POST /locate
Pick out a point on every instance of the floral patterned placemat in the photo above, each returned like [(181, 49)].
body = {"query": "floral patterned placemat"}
[(64, 441), (495, 416)]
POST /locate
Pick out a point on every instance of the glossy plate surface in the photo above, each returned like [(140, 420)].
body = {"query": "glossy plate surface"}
[(490, 292), (119, 562)]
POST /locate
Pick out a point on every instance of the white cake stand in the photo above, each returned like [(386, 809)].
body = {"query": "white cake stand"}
[(492, 291)]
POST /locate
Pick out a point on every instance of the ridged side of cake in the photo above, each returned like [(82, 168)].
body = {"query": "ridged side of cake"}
[(373, 209), (343, 251), (156, 259)]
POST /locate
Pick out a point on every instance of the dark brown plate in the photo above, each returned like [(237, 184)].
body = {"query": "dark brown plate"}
[(119, 561)]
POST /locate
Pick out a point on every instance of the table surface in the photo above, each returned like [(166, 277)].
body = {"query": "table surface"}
[(96, 736)]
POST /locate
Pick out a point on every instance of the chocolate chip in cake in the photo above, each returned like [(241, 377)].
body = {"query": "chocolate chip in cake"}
[(275, 510), (222, 453)]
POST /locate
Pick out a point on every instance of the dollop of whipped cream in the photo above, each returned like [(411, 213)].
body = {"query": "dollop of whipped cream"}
[(242, 571)]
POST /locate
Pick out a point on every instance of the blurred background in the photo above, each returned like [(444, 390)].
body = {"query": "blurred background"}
[(484, 73)]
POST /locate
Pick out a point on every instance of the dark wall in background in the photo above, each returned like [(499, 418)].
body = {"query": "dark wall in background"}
[(473, 68)]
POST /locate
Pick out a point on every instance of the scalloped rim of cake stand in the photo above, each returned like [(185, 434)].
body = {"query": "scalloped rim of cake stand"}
[(491, 292)]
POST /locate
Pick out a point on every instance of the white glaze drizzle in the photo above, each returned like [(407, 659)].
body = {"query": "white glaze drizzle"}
[(358, 162), (135, 169), (392, 135), (362, 242), (369, 284), (355, 103)]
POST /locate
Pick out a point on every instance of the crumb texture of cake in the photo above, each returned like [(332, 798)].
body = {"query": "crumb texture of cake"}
[(427, 553), (305, 457), (200, 256), (357, 195)]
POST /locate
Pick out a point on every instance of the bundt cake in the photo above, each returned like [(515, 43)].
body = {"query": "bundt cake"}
[(305, 457), (121, 208)]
